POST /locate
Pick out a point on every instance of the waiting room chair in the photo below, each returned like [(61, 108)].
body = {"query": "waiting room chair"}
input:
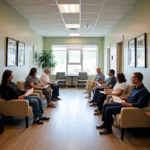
[(82, 77), (61, 77)]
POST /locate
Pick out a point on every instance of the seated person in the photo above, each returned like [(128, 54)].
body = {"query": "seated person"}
[(45, 80), (10, 91), (118, 90), (139, 98), (90, 84), (31, 81), (109, 85)]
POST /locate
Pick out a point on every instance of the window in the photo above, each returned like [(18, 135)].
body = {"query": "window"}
[(75, 58)]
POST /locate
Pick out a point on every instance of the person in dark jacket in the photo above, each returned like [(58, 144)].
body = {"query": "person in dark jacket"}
[(10, 91), (139, 98)]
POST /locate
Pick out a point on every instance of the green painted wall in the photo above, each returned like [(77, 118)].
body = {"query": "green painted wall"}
[(14, 25), (134, 23)]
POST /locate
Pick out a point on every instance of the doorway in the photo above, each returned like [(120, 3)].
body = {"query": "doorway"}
[(108, 59), (120, 57)]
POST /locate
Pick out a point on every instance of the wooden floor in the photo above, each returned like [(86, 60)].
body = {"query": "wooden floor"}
[(72, 127)]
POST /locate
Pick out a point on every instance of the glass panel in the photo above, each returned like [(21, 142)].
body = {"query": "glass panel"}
[(74, 56), (89, 47), (60, 57), (74, 69), (59, 47), (89, 62)]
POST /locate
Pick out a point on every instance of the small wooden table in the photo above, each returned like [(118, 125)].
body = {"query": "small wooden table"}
[(72, 76)]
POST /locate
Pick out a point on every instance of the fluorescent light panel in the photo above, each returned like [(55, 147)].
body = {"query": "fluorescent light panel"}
[(72, 26), (69, 8), (74, 34)]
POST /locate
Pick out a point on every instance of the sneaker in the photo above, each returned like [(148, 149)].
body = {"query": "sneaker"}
[(98, 113), (51, 105), (89, 96), (57, 98), (37, 122)]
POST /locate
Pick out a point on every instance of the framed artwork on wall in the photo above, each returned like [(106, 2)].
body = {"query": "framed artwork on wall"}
[(35, 55), (131, 52), (141, 51), (11, 52), (20, 53)]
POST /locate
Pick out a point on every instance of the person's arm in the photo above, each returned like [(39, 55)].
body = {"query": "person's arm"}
[(36, 86), (112, 92)]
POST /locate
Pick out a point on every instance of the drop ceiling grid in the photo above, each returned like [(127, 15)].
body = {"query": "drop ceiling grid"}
[(45, 13)]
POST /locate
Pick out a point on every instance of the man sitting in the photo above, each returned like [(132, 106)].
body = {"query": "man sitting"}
[(139, 97), (109, 85), (45, 80), (90, 84)]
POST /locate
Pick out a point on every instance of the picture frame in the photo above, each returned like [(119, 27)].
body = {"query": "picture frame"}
[(20, 53), (132, 52), (141, 51), (11, 52), (35, 55)]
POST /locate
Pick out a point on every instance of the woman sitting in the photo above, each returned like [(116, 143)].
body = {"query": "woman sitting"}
[(118, 90), (33, 82), (10, 91)]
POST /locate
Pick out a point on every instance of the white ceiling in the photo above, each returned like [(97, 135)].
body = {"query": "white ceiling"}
[(47, 20)]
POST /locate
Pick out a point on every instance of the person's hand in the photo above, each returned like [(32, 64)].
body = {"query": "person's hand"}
[(93, 82), (126, 104), (21, 97), (108, 92), (123, 98)]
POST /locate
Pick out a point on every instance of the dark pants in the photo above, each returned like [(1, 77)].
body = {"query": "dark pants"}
[(96, 94), (55, 92), (108, 111), (101, 100), (37, 106)]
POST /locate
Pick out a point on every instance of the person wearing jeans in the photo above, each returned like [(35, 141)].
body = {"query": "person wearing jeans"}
[(10, 91)]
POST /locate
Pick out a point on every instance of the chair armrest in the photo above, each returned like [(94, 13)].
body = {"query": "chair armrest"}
[(39, 92), (18, 107), (134, 117), (35, 94)]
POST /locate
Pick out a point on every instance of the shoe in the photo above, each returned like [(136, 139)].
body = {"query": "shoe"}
[(89, 96), (105, 131), (98, 113), (96, 110), (44, 118), (93, 105), (37, 122), (57, 98), (101, 126), (91, 101), (51, 105), (54, 99)]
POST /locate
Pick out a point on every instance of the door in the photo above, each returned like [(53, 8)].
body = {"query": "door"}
[(120, 57), (108, 59)]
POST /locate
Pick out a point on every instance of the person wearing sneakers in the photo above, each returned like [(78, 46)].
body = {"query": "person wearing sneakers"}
[(32, 81), (9, 91), (109, 85), (118, 90), (90, 84), (45, 80)]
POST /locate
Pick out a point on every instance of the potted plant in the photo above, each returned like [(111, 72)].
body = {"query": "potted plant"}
[(47, 59)]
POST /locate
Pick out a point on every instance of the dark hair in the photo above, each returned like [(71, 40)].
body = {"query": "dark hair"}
[(139, 76), (5, 76), (32, 72), (121, 78), (112, 71)]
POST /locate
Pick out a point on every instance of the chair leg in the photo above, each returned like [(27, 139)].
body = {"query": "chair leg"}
[(27, 121), (122, 133)]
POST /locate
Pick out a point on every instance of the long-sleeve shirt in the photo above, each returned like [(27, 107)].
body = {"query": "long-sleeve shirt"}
[(10, 92), (139, 97)]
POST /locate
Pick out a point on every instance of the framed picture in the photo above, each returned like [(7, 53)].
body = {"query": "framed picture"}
[(35, 55), (131, 52), (141, 51), (20, 53), (11, 52)]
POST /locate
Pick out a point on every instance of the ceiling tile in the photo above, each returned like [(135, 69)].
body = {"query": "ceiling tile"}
[(89, 16), (71, 16), (73, 21), (92, 2), (111, 16), (107, 22), (115, 8), (91, 9), (120, 2), (36, 8), (68, 1)]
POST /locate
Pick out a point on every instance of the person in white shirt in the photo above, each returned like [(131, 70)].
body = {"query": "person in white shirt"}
[(119, 89), (45, 80)]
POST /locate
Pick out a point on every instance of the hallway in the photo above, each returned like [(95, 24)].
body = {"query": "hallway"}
[(71, 127)]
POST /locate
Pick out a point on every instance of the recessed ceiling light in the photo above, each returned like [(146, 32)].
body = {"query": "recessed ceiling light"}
[(72, 26), (69, 8), (74, 34)]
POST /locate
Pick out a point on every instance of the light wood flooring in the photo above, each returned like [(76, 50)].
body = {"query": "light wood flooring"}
[(71, 127)]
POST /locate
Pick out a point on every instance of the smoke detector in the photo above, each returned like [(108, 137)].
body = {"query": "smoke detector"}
[(87, 25)]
